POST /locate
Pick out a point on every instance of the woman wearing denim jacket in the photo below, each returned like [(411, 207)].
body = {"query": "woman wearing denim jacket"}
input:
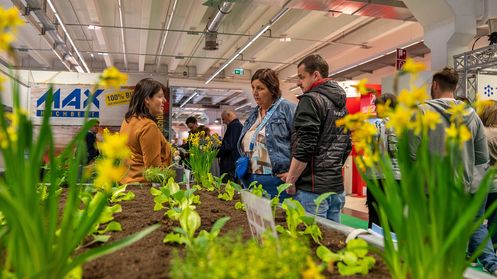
[(271, 154)]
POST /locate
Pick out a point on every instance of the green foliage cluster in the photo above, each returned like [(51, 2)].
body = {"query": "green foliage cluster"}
[(159, 175), (231, 257), (353, 259)]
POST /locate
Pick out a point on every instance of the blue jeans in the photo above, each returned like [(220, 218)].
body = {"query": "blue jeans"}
[(269, 183), (330, 208), (487, 258)]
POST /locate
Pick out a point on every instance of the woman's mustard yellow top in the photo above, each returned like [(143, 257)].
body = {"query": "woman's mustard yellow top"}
[(149, 147)]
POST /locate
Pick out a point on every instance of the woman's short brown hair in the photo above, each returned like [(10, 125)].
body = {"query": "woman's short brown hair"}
[(270, 79), (489, 114)]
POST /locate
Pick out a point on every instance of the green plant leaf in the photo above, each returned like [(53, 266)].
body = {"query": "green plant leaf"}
[(358, 246), (101, 238), (109, 248), (218, 225), (349, 258), (113, 226), (174, 238), (346, 270)]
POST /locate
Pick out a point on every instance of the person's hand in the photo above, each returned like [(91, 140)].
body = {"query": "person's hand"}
[(291, 190), (283, 176)]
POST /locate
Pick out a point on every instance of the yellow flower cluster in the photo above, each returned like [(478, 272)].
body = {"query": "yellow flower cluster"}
[(110, 168), (9, 21), (413, 67), (458, 132), (313, 271), (203, 141), (405, 116), (13, 125), (480, 104), (112, 78)]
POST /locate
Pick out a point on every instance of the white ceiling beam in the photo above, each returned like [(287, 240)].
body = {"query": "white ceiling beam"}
[(198, 98), (236, 100), (145, 22), (191, 19), (91, 7), (217, 99)]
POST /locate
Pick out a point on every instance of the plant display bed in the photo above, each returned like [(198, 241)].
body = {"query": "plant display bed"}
[(150, 258)]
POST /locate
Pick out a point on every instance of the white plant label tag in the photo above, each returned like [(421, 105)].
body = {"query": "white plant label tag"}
[(259, 214)]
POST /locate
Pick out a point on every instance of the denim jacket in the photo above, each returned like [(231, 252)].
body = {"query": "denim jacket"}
[(278, 135)]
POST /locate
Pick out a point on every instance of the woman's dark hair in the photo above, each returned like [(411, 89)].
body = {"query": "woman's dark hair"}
[(146, 87), (269, 78)]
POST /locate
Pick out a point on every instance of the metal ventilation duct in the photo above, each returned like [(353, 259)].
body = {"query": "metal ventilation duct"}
[(214, 23)]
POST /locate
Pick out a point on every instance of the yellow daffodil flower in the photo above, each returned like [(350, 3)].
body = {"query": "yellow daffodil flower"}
[(457, 112), (406, 98), (420, 94), (400, 120), (313, 271), (361, 87), (112, 77), (480, 104), (413, 67), (464, 134), (425, 122), (114, 146), (9, 20), (459, 134)]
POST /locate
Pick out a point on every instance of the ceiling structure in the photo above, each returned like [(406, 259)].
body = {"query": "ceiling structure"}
[(179, 39)]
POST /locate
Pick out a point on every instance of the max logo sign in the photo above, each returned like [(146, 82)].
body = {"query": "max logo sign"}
[(72, 105)]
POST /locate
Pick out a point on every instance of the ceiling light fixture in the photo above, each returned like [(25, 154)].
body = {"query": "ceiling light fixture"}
[(242, 49), (94, 27), (79, 69), (67, 34), (242, 106)]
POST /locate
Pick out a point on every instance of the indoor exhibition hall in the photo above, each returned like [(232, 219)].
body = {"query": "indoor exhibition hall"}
[(218, 139)]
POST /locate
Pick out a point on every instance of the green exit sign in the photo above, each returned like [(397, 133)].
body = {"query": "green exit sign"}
[(238, 71)]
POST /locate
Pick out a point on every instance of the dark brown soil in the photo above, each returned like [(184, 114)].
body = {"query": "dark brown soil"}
[(149, 257)]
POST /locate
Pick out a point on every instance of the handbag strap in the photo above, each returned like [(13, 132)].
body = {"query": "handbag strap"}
[(263, 123)]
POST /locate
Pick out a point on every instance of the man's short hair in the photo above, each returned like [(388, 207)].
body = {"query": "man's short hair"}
[(315, 62), (191, 119), (447, 79), (227, 112)]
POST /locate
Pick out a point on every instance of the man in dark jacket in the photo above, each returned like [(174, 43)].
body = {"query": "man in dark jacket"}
[(91, 139), (320, 148), (228, 152)]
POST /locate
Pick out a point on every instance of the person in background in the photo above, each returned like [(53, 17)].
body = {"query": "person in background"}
[(271, 151), (149, 147), (386, 140), (191, 123), (228, 153), (474, 153), (91, 140), (489, 118), (320, 147)]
